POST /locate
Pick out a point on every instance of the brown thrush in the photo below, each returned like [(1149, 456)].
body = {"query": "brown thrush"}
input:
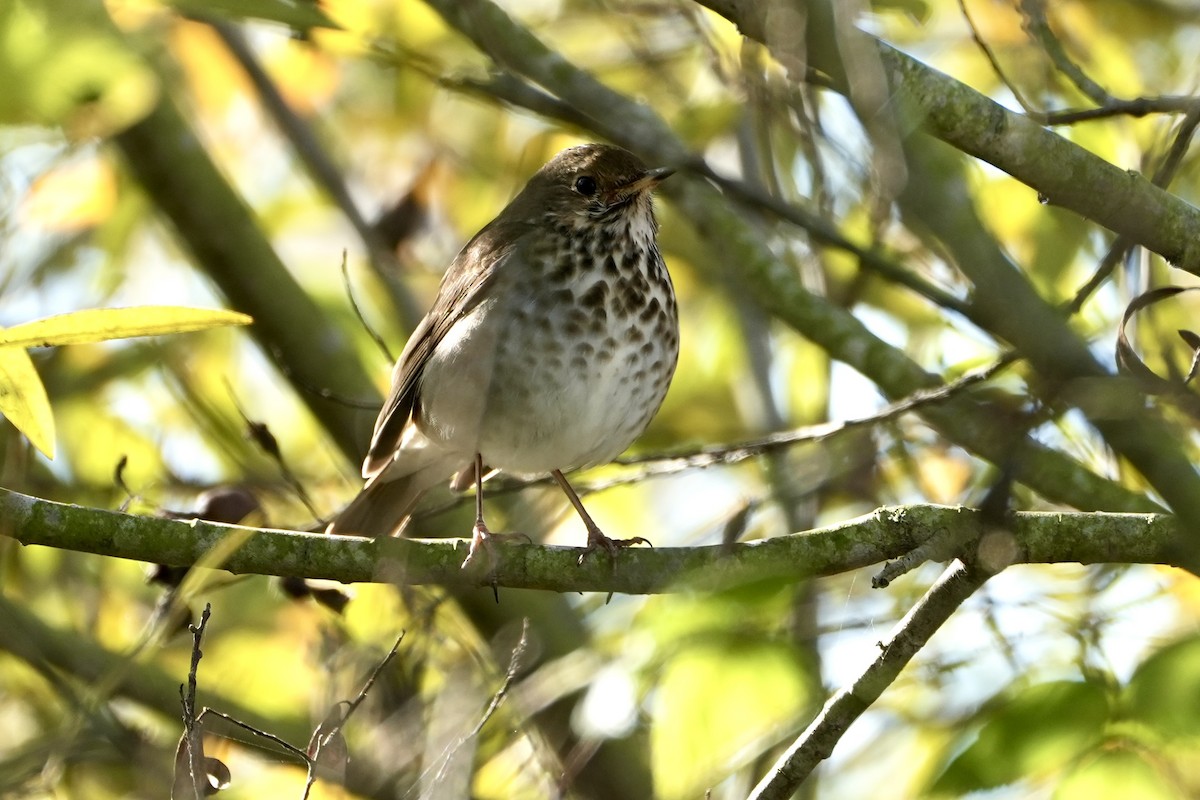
[(550, 346)]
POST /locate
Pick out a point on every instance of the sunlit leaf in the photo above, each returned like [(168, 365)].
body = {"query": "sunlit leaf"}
[(1164, 693), (23, 399), (58, 69), (1117, 775), (714, 704), (1039, 729), (76, 196), (96, 325)]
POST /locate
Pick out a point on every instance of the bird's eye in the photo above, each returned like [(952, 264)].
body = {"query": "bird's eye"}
[(585, 185)]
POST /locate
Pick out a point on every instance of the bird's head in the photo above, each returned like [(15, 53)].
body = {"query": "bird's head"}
[(592, 183)]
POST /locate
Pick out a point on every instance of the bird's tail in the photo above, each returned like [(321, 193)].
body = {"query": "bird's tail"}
[(380, 509), (384, 505)]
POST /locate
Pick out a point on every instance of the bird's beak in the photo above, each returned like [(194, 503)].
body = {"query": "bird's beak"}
[(647, 181)]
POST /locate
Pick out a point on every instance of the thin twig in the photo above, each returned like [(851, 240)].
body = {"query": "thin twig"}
[(320, 738), (1162, 178), (654, 465), (323, 393), (258, 732), (1116, 107), (1183, 139), (732, 454), (510, 675), (352, 705), (262, 436), (358, 312), (316, 160), (514, 90), (991, 57), (514, 665), (1038, 27)]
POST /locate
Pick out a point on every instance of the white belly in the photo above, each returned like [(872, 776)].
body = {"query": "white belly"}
[(555, 371)]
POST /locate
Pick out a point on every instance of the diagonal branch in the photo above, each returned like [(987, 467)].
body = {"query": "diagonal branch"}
[(910, 635)]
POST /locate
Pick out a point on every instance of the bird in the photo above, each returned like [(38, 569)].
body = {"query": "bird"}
[(549, 347)]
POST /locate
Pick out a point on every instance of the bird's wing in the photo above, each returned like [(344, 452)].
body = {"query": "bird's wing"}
[(463, 287)]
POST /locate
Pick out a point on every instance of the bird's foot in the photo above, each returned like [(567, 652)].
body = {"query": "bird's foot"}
[(598, 541), (483, 540)]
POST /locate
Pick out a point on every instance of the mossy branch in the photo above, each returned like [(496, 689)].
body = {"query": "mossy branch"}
[(887, 533)]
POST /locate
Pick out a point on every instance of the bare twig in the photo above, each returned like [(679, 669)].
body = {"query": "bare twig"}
[(446, 757), (991, 57), (514, 666), (1179, 146), (658, 465), (1162, 178), (352, 705), (257, 732), (261, 434), (193, 737), (358, 312), (321, 738), (325, 393), (514, 90), (1136, 107), (1038, 27)]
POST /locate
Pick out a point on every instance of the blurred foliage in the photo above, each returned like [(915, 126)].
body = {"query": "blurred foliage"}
[(1055, 681), (23, 398)]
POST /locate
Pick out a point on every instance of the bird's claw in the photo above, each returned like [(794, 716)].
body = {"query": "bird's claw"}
[(484, 540), (598, 541)]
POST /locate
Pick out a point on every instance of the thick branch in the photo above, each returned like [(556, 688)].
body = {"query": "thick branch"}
[(881, 535)]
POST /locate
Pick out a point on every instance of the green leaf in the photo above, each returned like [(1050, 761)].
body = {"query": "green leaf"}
[(1117, 775), (1039, 729), (1164, 693), (61, 64), (718, 703), (23, 399), (95, 325)]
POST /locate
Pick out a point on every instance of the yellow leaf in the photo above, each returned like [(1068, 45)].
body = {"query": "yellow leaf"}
[(307, 77), (72, 197), (214, 77), (96, 325), (23, 399)]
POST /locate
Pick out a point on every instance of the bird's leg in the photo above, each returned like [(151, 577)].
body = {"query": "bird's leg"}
[(480, 534), (481, 537), (596, 538)]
